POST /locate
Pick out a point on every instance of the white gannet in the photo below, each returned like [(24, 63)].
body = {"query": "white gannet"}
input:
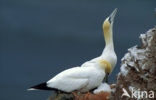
[(91, 74), (108, 57)]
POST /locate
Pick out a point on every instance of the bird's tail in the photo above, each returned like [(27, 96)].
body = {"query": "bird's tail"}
[(42, 86)]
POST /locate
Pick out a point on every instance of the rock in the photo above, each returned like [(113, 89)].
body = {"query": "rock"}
[(100, 95), (138, 70), (85, 96)]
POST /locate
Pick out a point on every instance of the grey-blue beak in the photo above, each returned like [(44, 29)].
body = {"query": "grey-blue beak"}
[(112, 15)]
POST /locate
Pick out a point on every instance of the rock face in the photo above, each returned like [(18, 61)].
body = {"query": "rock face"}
[(86, 96), (138, 71)]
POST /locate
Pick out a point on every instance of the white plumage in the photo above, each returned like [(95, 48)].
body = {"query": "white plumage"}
[(78, 78), (90, 74), (103, 87)]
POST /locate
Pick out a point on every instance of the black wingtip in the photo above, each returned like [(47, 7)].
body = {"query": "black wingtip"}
[(42, 86)]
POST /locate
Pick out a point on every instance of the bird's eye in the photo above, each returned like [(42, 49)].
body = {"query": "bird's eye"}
[(109, 19)]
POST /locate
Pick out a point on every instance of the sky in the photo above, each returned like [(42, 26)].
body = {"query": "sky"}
[(40, 38)]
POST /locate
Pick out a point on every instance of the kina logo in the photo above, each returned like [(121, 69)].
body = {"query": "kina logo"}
[(137, 93)]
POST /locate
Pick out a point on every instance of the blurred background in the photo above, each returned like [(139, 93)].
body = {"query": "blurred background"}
[(40, 38)]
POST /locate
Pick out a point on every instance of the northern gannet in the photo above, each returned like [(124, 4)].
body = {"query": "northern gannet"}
[(91, 74), (108, 58)]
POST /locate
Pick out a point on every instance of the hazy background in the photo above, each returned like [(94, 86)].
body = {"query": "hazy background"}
[(40, 38)]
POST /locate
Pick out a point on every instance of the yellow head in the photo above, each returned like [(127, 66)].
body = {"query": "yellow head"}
[(106, 30), (107, 27)]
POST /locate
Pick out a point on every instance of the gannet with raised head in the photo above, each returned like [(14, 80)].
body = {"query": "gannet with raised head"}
[(91, 74), (108, 58)]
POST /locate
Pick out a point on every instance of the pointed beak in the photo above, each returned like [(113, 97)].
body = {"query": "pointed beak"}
[(111, 17)]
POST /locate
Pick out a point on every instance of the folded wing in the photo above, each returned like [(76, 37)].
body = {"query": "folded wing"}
[(70, 80)]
